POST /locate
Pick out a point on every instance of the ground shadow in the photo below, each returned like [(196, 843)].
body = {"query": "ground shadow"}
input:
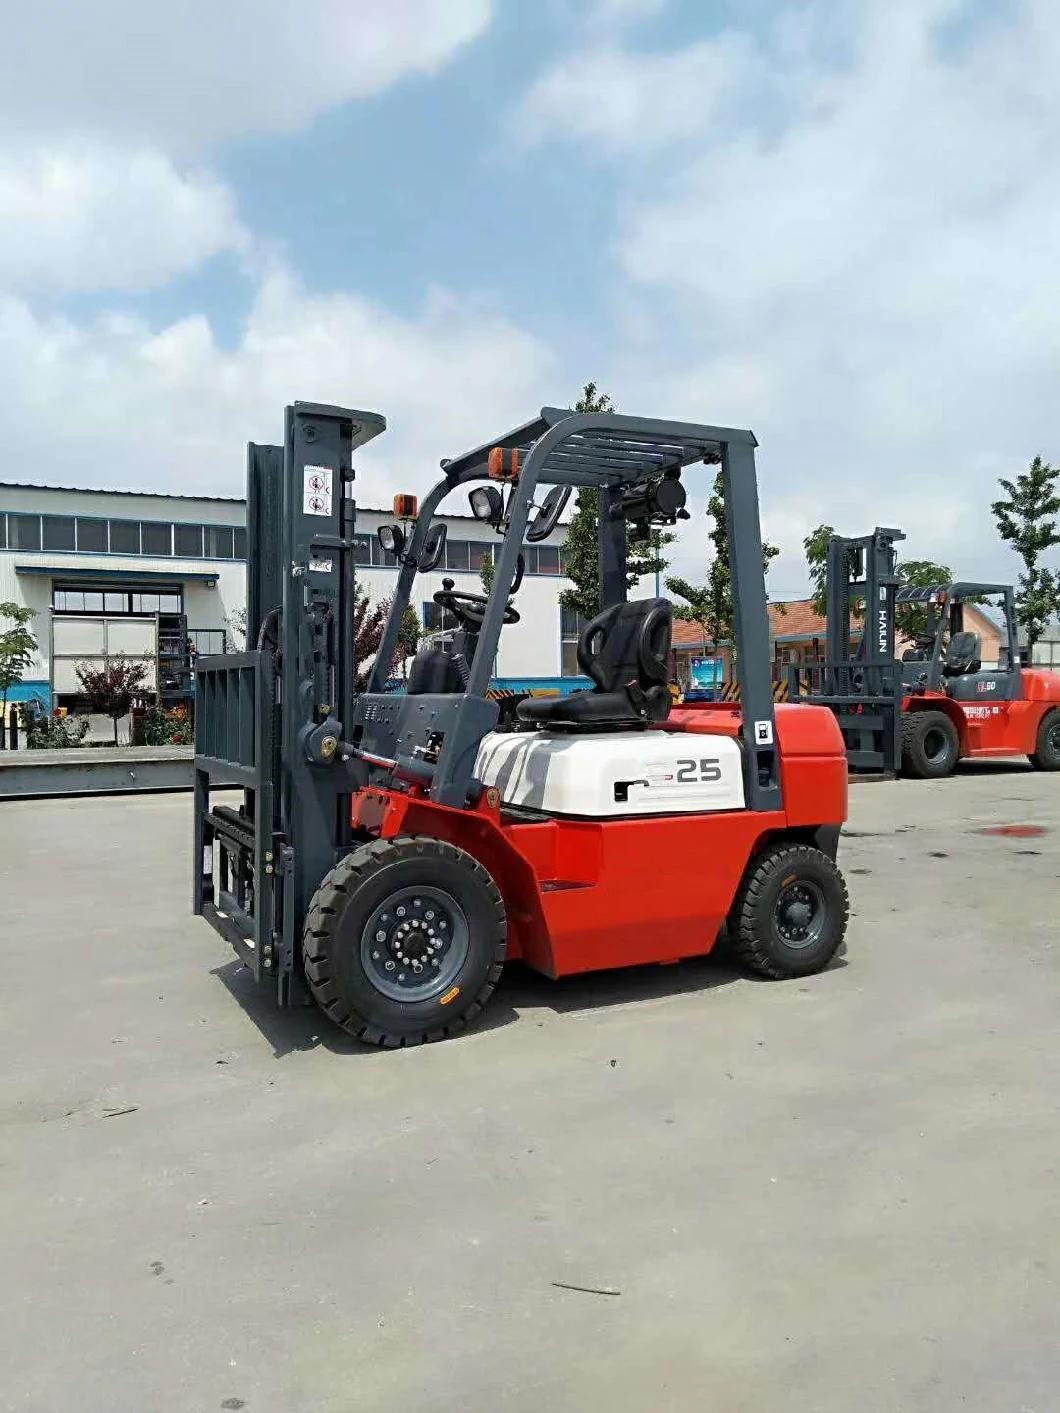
[(1021, 766), (521, 992)]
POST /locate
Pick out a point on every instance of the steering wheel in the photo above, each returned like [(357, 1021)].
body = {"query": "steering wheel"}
[(469, 608)]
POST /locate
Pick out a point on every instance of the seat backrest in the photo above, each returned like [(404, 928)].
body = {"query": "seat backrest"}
[(628, 642), (963, 654), (433, 670)]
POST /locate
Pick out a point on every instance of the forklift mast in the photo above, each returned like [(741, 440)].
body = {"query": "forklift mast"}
[(862, 685)]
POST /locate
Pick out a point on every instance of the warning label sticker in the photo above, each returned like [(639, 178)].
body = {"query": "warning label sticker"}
[(763, 733), (316, 490)]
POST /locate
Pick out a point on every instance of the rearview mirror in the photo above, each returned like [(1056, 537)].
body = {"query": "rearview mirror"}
[(487, 503), (433, 548)]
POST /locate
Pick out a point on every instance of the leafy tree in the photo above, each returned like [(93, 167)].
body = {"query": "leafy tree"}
[(581, 550), (1027, 520), (113, 688), (237, 626), (911, 618), (17, 648), (816, 546), (487, 574), (408, 637), (369, 620), (710, 605)]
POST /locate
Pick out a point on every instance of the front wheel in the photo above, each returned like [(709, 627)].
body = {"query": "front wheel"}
[(1047, 744), (404, 941), (790, 914), (930, 745)]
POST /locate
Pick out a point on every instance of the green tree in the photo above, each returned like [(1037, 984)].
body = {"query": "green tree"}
[(710, 604), (581, 550), (1027, 520), (919, 573), (911, 618), (816, 546), (487, 574), (17, 649), (408, 638)]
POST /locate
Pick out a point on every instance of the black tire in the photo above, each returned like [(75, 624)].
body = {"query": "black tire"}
[(930, 745), (1047, 743), (452, 926), (769, 928)]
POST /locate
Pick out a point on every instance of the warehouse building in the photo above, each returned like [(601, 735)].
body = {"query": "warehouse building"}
[(110, 573)]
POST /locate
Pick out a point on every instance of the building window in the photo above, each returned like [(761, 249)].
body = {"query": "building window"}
[(436, 619), (25, 531), (239, 542), (187, 541), (362, 549), (547, 559), (91, 536), (3, 530), (571, 624), (117, 602), (458, 554), (481, 550), (57, 532), (218, 541), (156, 537), (125, 537)]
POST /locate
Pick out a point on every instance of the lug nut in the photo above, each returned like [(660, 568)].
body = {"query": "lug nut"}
[(380, 936), (400, 911), (389, 966)]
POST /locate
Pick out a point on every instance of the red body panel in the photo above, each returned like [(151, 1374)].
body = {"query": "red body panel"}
[(583, 894), (992, 728)]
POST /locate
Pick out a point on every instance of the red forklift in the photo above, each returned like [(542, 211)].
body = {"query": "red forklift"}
[(938, 705), (952, 708), (391, 853)]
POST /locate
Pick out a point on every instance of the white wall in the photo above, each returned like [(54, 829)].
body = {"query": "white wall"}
[(528, 648)]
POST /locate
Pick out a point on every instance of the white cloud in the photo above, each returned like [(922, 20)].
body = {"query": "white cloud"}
[(623, 101), (188, 74), (866, 274), (171, 409), (95, 217)]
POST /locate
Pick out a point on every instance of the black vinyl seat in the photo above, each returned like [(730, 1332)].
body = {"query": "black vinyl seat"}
[(963, 655), (433, 670), (626, 652)]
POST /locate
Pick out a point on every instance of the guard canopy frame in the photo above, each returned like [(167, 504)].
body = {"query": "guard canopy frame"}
[(614, 454)]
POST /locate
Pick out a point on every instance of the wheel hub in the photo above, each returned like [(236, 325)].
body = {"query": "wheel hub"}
[(414, 943), (799, 913)]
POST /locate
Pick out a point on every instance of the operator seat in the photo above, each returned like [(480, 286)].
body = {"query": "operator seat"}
[(433, 670), (962, 655), (626, 651)]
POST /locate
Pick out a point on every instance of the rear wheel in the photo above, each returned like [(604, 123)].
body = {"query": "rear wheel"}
[(1047, 743), (404, 941), (930, 745), (790, 913)]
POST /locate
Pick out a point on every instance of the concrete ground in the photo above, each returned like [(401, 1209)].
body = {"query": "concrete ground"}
[(830, 1195)]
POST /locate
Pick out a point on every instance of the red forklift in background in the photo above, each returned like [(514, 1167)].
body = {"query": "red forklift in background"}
[(392, 852), (938, 705)]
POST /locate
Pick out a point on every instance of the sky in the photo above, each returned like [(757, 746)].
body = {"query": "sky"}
[(833, 222)]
